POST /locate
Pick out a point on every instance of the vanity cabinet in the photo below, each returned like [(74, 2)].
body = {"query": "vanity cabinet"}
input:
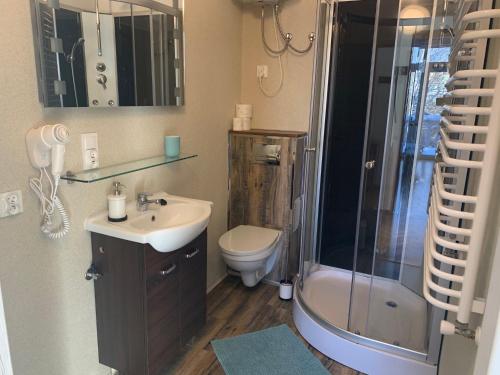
[(148, 304)]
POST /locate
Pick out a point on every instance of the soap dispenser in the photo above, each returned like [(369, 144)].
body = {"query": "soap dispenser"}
[(117, 204)]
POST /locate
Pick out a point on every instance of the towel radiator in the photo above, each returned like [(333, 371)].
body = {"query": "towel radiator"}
[(470, 139)]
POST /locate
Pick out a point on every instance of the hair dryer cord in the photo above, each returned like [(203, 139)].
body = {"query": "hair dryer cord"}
[(49, 205), (65, 225)]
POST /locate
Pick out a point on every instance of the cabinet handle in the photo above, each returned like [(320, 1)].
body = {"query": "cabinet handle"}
[(193, 254), (168, 271)]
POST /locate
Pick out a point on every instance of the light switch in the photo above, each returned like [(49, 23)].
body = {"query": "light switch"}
[(90, 151)]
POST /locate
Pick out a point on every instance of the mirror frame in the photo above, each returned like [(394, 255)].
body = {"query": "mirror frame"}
[(174, 11)]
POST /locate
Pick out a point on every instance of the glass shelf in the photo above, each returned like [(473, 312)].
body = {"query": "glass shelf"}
[(99, 174)]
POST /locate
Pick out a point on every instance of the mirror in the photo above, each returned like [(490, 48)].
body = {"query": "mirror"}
[(109, 53)]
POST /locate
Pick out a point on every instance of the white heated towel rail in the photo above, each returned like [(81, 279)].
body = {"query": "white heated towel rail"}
[(469, 146)]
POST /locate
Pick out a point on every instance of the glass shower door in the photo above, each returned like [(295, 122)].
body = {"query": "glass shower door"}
[(372, 164), (309, 256), (382, 307)]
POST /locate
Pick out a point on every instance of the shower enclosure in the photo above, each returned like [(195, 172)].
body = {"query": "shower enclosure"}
[(380, 68)]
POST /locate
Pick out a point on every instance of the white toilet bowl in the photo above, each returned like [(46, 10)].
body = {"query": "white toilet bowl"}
[(250, 250)]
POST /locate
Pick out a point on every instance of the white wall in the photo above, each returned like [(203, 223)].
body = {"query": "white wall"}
[(48, 305), (290, 109)]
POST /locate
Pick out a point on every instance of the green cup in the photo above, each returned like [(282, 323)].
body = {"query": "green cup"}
[(172, 146)]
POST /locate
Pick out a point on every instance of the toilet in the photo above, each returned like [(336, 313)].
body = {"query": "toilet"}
[(251, 250)]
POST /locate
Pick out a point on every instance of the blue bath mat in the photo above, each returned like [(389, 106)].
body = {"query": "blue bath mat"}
[(273, 351)]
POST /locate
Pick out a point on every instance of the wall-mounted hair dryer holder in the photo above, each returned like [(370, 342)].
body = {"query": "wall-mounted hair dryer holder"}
[(46, 146)]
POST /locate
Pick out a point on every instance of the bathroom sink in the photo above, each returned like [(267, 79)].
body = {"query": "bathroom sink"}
[(165, 228)]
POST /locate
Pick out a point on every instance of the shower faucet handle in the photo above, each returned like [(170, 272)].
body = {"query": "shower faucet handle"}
[(100, 67), (102, 79)]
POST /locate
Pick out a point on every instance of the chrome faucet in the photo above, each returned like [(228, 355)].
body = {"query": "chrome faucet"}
[(143, 202)]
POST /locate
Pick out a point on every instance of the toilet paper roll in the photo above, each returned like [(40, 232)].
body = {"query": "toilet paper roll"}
[(246, 123), (237, 124), (244, 110)]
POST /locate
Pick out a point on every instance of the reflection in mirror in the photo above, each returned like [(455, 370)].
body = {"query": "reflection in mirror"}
[(108, 53)]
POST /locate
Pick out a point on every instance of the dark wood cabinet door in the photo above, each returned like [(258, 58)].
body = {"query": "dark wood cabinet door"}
[(163, 314), (193, 285), (119, 302)]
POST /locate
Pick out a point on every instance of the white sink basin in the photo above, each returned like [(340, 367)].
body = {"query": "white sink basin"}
[(165, 228)]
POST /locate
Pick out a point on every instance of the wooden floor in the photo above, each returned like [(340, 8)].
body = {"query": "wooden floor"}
[(233, 310)]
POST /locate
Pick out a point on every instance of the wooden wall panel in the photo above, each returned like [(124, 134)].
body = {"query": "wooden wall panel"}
[(261, 193)]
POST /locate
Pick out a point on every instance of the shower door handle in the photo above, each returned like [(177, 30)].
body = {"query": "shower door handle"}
[(370, 164)]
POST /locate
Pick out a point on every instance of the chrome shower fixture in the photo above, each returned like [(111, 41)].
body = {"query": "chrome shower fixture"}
[(287, 37), (98, 25), (71, 57)]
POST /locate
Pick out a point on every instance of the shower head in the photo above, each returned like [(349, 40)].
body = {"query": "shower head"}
[(71, 57)]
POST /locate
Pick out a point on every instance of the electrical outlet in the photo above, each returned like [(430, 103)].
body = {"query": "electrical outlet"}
[(262, 71), (90, 151), (11, 203)]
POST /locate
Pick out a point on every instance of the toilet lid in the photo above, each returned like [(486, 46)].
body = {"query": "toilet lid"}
[(247, 239)]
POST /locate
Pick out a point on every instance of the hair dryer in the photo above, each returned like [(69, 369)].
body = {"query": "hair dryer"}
[(46, 146)]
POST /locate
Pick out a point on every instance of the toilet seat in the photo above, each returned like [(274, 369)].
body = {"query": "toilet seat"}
[(248, 241)]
